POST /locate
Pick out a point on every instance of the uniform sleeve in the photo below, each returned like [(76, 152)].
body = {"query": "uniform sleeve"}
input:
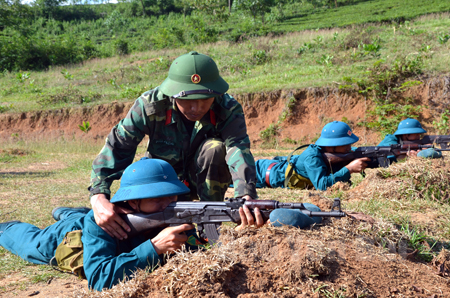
[(388, 141), (317, 173), (238, 157), (103, 269), (119, 150)]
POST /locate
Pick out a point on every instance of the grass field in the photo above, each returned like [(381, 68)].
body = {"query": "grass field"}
[(313, 58)]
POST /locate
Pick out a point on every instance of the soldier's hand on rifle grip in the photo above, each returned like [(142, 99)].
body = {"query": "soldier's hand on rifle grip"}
[(106, 216), (412, 153), (171, 239), (357, 165), (247, 218)]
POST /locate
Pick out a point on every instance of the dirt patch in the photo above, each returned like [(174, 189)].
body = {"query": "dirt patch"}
[(55, 288)]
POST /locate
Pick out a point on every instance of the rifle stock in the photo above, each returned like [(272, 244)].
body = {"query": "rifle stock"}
[(208, 216)]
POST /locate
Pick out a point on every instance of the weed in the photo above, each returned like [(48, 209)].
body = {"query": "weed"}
[(335, 36), (441, 125), (260, 57), (287, 111), (443, 38), (325, 60), (270, 132), (66, 74), (419, 241), (5, 108), (22, 76), (290, 141), (369, 49), (387, 116), (85, 127)]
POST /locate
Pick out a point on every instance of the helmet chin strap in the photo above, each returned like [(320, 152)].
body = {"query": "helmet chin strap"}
[(201, 91)]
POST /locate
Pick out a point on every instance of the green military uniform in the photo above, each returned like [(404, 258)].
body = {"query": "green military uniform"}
[(208, 156)]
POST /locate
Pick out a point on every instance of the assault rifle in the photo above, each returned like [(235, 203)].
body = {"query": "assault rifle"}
[(208, 216), (375, 153), (443, 141)]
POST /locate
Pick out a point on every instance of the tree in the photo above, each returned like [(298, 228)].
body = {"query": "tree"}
[(255, 7), (216, 8), (12, 13)]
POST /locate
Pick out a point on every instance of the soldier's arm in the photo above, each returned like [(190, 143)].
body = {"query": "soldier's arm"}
[(119, 150), (239, 158), (116, 155)]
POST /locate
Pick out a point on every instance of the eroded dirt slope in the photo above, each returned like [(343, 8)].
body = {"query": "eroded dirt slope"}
[(313, 107)]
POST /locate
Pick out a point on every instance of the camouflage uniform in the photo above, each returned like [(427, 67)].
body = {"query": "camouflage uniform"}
[(219, 145)]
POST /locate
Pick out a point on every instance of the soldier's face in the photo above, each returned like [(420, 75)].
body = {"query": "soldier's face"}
[(194, 109), (411, 137), (343, 149), (152, 205)]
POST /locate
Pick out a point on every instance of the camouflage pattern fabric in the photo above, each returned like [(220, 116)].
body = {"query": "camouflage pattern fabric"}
[(156, 115)]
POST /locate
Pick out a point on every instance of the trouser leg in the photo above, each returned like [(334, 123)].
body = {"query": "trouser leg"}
[(209, 172), (33, 244)]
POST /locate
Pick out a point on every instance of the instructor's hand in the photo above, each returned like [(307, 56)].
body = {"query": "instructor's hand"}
[(247, 218), (106, 216), (171, 239)]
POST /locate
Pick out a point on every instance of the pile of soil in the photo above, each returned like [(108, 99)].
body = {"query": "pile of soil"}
[(341, 258)]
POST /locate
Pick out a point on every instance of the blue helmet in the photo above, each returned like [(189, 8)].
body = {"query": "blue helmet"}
[(149, 178), (336, 133), (409, 126)]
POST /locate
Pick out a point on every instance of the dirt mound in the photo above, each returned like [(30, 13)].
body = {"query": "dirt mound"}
[(341, 258)]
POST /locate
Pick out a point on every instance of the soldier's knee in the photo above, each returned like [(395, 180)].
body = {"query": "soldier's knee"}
[(213, 151)]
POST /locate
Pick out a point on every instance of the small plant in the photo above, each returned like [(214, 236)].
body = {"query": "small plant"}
[(443, 38), (85, 127), (425, 48), (318, 40), (4, 108), (290, 141), (335, 36), (22, 76), (418, 241), (260, 57), (304, 48), (441, 125), (326, 60), (270, 132), (114, 84), (287, 111), (67, 75), (121, 47)]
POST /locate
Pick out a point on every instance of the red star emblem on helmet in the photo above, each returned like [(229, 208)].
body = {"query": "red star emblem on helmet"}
[(195, 78), (349, 133)]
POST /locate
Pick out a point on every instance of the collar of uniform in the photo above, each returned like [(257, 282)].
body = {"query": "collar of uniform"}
[(224, 106)]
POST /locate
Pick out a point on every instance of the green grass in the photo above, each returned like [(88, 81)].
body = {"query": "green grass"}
[(124, 78)]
